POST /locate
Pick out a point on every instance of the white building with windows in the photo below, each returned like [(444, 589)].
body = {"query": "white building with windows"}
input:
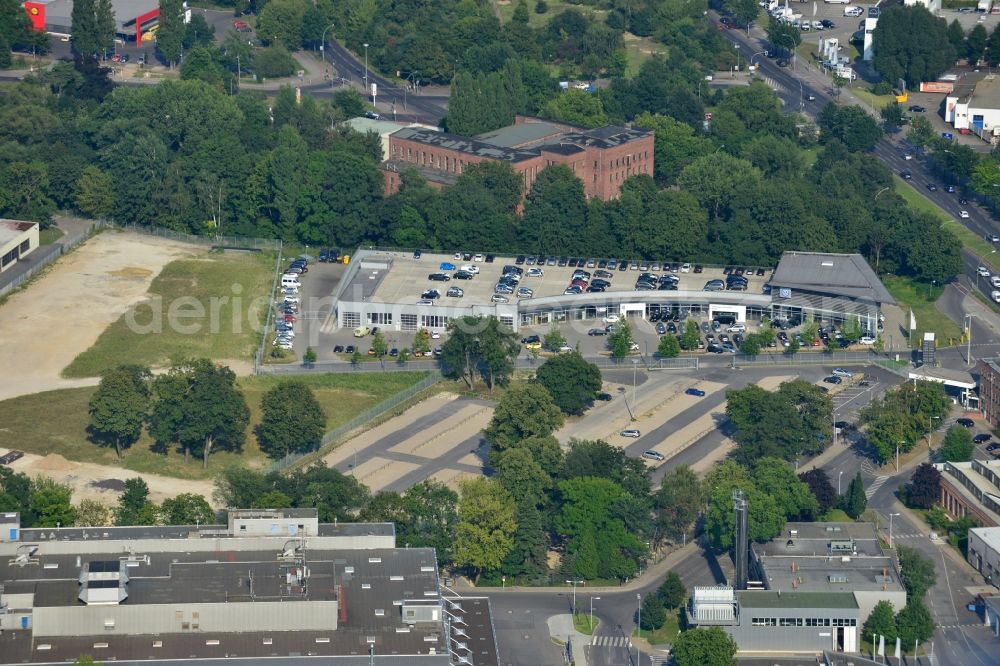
[(17, 240)]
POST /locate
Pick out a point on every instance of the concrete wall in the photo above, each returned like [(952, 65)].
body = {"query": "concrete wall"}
[(867, 600), (185, 618)]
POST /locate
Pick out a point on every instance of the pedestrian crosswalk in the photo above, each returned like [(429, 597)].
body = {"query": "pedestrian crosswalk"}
[(610, 641), (876, 484)]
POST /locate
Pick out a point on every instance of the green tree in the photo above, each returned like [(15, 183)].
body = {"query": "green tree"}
[(855, 502), (691, 336), (51, 503), (975, 44), (783, 35), (422, 342), (914, 623), (744, 11), (309, 357), (956, 36), (170, 34), (554, 339), (992, 46), (672, 591), (522, 477), (893, 116), (425, 516), (752, 345), (911, 43), (95, 193), (134, 506), (119, 406), (620, 341), (777, 478), (577, 107), (186, 509), (83, 22), (957, 445), (917, 571), (520, 14), (678, 502), (669, 347), (91, 513), (653, 613), (881, 622), (479, 345), (704, 647), (921, 132), (485, 531), (379, 345), (201, 64), (793, 346), (198, 406), (523, 411), (198, 32), (852, 125), (280, 21), (292, 420), (675, 144), (785, 423), (571, 380)]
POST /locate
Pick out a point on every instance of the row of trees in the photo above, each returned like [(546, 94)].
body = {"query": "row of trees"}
[(43, 502), (197, 407)]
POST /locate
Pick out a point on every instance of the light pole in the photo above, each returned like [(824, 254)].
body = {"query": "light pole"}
[(930, 429), (897, 457), (638, 601), (890, 529), (968, 333), (880, 192), (840, 474), (635, 367), (322, 44), (574, 582), (366, 67), (592, 612)]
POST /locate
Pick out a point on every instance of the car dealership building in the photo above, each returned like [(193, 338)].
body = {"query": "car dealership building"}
[(385, 289)]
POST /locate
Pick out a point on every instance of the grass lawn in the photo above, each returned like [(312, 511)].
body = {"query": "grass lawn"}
[(665, 634), (876, 101), (28, 422), (582, 624), (190, 314), (836, 516), (50, 235), (505, 10), (639, 50), (921, 299)]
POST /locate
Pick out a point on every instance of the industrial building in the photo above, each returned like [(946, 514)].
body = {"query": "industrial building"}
[(978, 111), (18, 239), (989, 390), (384, 128), (268, 584), (984, 552), (602, 158), (133, 18), (385, 289), (806, 591), (971, 489)]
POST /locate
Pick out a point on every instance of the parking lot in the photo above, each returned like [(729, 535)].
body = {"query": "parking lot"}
[(314, 308)]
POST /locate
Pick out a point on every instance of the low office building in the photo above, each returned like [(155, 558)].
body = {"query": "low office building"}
[(18, 239), (971, 489), (829, 559), (268, 584), (978, 111), (779, 621), (984, 552), (602, 158)]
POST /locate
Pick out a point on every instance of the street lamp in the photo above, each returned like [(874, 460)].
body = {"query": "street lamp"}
[(890, 529), (897, 456), (592, 612), (366, 67), (322, 44), (840, 474), (968, 332), (930, 429), (574, 582), (638, 601), (635, 366)]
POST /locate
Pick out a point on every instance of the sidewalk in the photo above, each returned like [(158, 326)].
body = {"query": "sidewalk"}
[(561, 627)]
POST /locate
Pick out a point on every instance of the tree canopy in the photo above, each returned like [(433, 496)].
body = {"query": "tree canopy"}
[(912, 44)]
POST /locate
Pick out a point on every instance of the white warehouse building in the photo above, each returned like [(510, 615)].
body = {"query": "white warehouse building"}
[(978, 111)]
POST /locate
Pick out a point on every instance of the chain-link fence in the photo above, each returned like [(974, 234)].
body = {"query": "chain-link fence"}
[(372, 416), (45, 255), (225, 242)]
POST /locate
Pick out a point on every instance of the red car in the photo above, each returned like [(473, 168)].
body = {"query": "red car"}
[(290, 318)]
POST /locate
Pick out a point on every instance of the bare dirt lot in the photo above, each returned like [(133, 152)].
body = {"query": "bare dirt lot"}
[(63, 312), (104, 483)]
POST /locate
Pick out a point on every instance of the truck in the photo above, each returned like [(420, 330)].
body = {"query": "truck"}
[(984, 6)]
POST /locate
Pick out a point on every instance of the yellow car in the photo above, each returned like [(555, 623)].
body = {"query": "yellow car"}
[(534, 345)]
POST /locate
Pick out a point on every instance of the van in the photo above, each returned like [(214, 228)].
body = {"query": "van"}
[(290, 281), (853, 11), (361, 331), (995, 296), (995, 281)]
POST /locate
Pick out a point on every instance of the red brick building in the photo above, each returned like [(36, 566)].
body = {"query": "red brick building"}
[(602, 158)]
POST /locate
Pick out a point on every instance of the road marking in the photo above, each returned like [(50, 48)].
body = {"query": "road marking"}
[(609, 641), (876, 484)]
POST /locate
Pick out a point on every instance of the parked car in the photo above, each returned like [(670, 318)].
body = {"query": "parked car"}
[(455, 292), (611, 318), (596, 332), (10, 457), (695, 392), (982, 437), (447, 266), (653, 455), (631, 432), (439, 277), (832, 379), (966, 423), (842, 372)]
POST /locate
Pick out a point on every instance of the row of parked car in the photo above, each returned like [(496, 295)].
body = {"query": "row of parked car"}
[(288, 308)]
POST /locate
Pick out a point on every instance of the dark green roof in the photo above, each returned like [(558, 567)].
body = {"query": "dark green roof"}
[(774, 599)]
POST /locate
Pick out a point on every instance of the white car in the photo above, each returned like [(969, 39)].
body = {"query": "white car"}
[(535, 272), (611, 318), (291, 298), (737, 328), (908, 156), (469, 268), (565, 349), (992, 238), (435, 335), (983, 271), (497, 298), (479, 257), (685, 268), (631, 432), (964, 214), (995, 296), (867, 340)]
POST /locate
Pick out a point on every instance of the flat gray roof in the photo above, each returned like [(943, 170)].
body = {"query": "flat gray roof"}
[(846, 275), (97, 534), (521, 134), (58, 13), (986, 94), (464, 145)]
